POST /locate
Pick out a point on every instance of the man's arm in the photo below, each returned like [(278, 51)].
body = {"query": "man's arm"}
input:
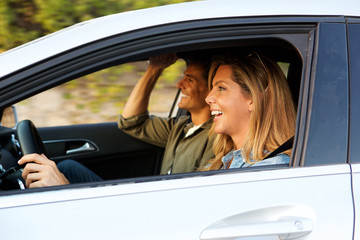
[(139, 98)]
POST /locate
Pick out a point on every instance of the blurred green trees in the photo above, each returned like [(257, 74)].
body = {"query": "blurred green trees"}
[(25, 20)]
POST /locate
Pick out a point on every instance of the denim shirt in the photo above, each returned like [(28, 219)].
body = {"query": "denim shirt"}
[(239, 162)]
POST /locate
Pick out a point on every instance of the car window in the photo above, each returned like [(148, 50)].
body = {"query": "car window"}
[(354, 54), (99, 97)]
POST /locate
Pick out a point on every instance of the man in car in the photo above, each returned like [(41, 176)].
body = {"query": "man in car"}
[(186, 140)]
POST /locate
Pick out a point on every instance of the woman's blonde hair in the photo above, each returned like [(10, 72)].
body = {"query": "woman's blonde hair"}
[(273, 119)]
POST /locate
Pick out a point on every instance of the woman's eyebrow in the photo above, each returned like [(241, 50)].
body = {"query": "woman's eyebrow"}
[(219, 82)]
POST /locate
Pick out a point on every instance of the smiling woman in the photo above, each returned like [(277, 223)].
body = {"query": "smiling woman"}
[(254, 111)]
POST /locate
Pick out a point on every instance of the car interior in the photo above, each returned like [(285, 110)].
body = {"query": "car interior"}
[(105, 149)]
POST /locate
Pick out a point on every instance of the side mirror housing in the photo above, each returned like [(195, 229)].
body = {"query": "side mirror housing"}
[(9, 117)]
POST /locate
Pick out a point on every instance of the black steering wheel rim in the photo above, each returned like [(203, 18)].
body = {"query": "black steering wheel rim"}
[(30, 142), (29, 138)]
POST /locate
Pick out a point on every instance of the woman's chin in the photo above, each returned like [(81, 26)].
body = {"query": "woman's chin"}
[(218, 129)]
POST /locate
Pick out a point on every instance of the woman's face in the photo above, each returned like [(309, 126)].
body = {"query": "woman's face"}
[(230, 106)]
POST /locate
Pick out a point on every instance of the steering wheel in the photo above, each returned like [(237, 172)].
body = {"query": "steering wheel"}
[(30, 142), (29, 138)]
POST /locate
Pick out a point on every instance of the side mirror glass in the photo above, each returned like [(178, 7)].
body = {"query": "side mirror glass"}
[(9, 117)]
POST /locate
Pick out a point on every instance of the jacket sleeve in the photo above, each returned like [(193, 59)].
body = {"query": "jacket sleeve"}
[(208, 154), (151, 129)]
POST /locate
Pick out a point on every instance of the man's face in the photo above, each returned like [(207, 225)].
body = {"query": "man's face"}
[(193, 88)]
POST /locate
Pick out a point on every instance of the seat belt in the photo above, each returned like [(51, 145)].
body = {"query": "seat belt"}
[(285, 146)]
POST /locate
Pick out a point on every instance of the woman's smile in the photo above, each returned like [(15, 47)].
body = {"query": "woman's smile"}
[(216, 114), (229, 105)]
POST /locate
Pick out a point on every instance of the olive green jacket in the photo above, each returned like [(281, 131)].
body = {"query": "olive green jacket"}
[(181, 154)]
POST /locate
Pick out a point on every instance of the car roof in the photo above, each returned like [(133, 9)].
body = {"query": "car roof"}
[(102, 27)]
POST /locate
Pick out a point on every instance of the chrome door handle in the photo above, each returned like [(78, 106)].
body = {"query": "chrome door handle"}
[(277, 222), (87, 147), (284, 229)]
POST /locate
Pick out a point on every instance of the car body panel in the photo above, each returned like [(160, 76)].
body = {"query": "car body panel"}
[(187, 205)]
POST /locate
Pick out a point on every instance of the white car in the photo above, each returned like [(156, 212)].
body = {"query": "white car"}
[(316, 197)]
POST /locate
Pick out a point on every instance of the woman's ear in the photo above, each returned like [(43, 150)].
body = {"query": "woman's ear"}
[(250, 104)]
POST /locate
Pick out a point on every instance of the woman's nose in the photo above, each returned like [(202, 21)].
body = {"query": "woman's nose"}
[(210, 98)]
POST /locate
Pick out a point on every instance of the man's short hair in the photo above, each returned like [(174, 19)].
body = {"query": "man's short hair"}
[(200, 57)]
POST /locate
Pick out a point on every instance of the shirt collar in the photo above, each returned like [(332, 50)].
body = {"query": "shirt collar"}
[(233, 158), (206, 124)]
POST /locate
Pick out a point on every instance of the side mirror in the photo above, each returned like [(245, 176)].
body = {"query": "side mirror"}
[(9, 117)]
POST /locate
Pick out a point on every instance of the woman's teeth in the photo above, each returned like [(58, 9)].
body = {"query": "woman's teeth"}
[(216, 113)]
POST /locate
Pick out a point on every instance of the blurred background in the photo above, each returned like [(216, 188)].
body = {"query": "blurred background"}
[(24, 20), (98, 97)]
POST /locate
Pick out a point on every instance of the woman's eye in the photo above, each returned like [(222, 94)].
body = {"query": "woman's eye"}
[(221, 89)]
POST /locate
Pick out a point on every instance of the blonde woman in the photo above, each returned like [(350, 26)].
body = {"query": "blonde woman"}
[(253, 111)]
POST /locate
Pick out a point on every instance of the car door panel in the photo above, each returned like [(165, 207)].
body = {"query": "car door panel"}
[(103, 148), (188, 207)]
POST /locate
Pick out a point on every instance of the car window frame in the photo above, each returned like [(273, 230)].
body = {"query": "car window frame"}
[(104, 55)]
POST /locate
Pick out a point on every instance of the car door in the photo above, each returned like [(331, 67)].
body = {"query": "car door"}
[(292, 202)]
